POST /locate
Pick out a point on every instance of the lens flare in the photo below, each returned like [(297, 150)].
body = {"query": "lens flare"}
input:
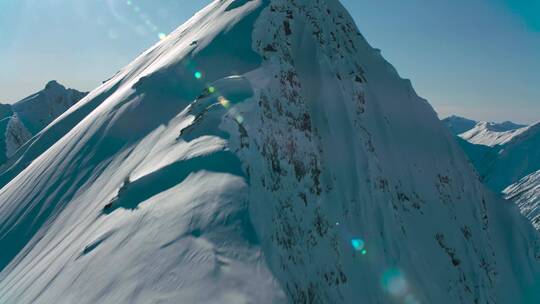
[(358, 244), (395, 283), (162, 36), (212, 90), (198, 75)]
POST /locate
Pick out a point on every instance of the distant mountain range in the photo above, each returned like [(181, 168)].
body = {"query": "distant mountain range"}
[(483, 132), (507, 158)]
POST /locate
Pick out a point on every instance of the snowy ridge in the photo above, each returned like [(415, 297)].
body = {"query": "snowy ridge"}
[(507, 161), (516, 159), (40, 109), (526, 194), (24, 119), (278, 168), (493, 134), (502, 156)]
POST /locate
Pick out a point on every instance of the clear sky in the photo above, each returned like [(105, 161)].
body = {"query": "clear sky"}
[(476, 58)]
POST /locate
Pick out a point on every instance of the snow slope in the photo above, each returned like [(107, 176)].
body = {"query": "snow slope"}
[(261, 153), (507, 161), (24, 119), (512, 161), (526, 193), (493, 134), (502, 153)]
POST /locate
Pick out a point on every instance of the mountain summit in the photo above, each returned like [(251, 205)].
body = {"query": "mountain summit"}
[(22, 120), (261, 153), (492, 134)]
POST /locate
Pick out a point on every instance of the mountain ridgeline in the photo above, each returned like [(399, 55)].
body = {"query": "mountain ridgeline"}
[(22, 120), (507, 158)]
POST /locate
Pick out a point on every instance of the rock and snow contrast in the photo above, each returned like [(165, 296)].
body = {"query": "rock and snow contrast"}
[(506, 157), (262, 153), (526, 193), (24, 119)]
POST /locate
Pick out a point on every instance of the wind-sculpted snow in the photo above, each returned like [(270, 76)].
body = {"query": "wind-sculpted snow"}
[(261, 153)]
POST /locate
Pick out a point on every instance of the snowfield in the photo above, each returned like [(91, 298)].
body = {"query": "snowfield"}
[(262, 153)]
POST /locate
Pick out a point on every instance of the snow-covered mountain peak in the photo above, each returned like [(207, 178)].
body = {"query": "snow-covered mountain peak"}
[(24, 119), (40, 109), (518, 157), (261, 153), (493, 134)]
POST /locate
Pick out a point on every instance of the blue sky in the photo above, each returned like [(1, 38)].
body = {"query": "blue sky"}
[(477, 58)]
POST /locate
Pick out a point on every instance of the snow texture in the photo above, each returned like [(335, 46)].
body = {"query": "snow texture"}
[(526, 193), (247, 158), (493, 134)]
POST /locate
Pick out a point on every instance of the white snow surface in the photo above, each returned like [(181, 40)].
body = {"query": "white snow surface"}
[(493, 134), (250, 184), (526, 193)]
